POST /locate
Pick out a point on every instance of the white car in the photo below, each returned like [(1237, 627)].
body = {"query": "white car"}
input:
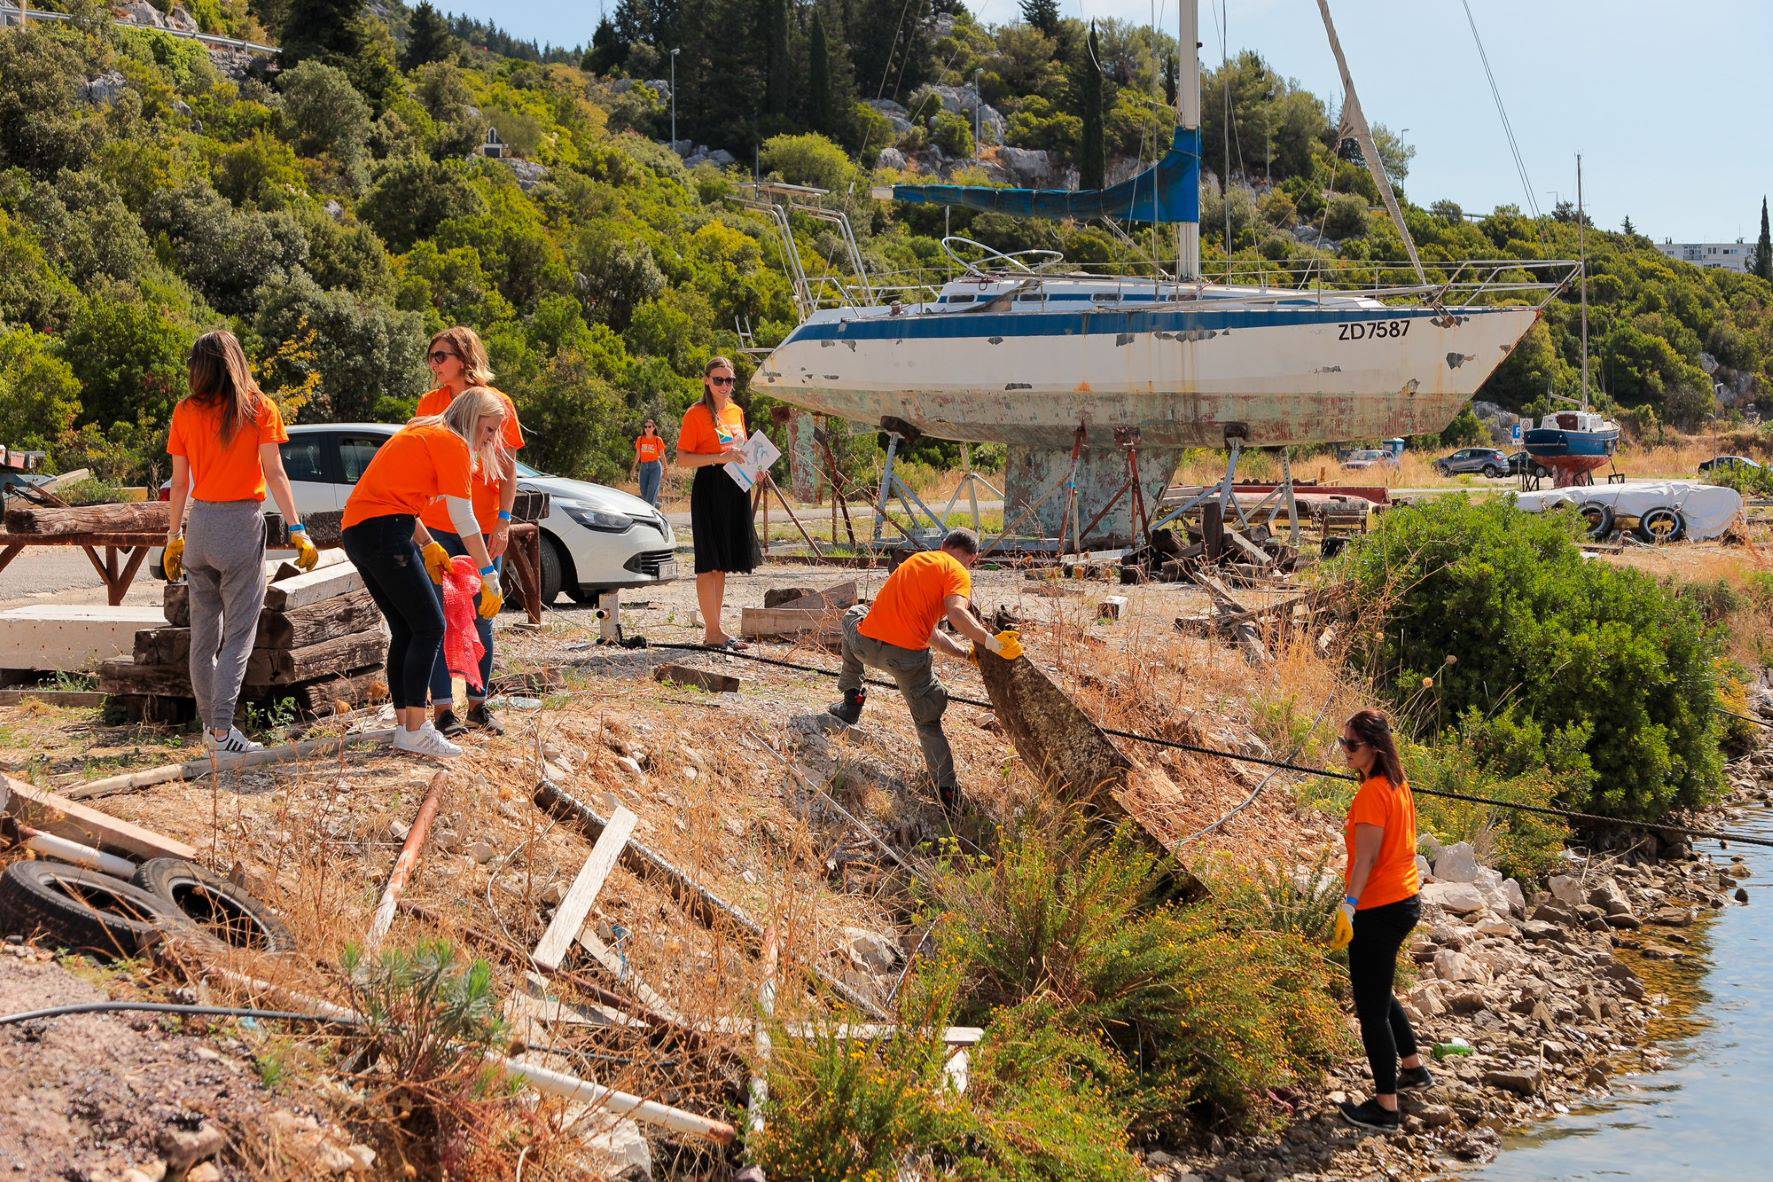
[(594, 538)]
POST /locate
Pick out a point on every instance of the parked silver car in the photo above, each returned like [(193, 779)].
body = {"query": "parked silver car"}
[(1485, 461)]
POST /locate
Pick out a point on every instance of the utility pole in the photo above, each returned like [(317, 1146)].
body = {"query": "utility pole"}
[(674, 54), (1582, 253), (978, 112)]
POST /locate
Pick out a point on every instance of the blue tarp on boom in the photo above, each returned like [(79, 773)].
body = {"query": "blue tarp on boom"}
[(1168, 191)]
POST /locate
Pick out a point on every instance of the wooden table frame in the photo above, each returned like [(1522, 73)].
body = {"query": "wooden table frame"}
[(123, 554)]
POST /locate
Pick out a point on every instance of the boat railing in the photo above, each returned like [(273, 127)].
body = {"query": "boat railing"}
[(1534, 282)]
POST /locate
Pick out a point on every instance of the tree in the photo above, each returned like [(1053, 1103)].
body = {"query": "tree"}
[(820, 114), (412, 196), (323, 113), (1043, 15), (1762, 261), (1630, 230), (609, 52), (1092, 160), (428, 38), (45, 124), (325, 29), (778, 66), (1170, 80), (39, 394)]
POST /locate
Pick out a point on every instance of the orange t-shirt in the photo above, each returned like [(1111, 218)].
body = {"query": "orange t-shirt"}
[(486, 485), (1394, 877), (915, 598), (650, 448), (414, 468), (223, 471), (702, 437)]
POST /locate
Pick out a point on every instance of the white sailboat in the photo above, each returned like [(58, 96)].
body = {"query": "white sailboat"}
[(1024, 350)]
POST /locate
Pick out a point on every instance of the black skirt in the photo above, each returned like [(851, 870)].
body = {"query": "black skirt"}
[(720, 523)]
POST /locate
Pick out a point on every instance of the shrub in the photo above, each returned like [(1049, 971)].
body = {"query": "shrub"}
[(1497, 609), (369, 358), (1208, 1019), (412, 196), (952, 133), (323, 113), (45, 124), (1499, 759), (1347, 217), (39, 394), (809, 159)]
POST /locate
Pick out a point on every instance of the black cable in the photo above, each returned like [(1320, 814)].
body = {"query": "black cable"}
[(1282, 764), (1743, 717)]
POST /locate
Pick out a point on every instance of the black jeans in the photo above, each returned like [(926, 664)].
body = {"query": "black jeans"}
[(382, 550), (1372, 966)]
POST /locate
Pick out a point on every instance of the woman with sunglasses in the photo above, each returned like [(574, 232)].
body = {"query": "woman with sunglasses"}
[(458, 361), (649, 462), (720, 511), (1378, 914)]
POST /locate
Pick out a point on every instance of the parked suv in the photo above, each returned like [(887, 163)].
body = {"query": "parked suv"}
[(594, 538), (1486, 461), (1523, 461)]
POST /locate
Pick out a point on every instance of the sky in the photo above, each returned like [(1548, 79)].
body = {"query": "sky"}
[(1667, 103)]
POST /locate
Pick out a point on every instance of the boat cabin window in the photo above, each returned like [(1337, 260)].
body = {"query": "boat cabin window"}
[(958, 299), (1036, 298)]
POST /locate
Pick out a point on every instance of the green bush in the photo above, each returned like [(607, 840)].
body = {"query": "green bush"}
[(1497, 610), (952, 133), (1498, 759), (1207, 1018), (809, 159), (1347, 217), (39, 394)]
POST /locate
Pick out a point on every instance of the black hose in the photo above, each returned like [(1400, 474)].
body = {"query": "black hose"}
[(1285, 764)]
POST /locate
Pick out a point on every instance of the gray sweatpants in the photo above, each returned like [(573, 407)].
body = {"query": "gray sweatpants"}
[(914, 671), (225, 567)]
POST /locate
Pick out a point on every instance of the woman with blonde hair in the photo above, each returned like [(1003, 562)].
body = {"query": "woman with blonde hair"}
[(458, 361), (223, 443), (433, 456), (720, 511)]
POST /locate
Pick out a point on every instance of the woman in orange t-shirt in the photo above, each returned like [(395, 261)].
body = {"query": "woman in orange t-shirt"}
[(223, 443), (432, 456), (1381, 908), (720, 511), (649, 462), (458, 361)]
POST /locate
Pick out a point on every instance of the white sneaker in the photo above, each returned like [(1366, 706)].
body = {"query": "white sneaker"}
[(235, 743), (426, 743)]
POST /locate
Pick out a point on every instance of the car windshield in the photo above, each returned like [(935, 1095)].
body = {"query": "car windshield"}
[(524, 469)]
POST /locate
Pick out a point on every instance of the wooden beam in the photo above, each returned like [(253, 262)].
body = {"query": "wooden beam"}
[(175, 604), (837, 595), (128, 517), (66, 817), (119, 587), (124, 676), (313, 587), (287, 569), (197, 768), (358, 650), (714, 683), (352, 612), (319, 698), (570, 916), (778, 623)]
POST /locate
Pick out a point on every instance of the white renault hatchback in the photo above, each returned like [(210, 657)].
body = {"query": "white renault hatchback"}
[(595, 538)]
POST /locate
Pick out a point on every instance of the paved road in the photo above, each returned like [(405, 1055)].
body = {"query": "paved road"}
[(64, 572)]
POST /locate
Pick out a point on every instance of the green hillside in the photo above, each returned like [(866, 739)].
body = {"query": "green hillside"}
[(333, 213)]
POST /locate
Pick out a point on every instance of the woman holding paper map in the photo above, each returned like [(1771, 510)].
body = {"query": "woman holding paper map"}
[(720, 508)]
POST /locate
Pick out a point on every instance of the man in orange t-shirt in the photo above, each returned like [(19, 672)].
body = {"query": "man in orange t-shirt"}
[(896, 634)]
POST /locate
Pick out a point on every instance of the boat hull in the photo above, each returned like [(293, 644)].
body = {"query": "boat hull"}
[(1186, 376), (1571, 455)]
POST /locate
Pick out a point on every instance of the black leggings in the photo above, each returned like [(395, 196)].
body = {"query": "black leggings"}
[(393, 570), (1372, 966)]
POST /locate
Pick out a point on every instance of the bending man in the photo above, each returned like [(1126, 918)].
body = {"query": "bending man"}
[(895, 635)]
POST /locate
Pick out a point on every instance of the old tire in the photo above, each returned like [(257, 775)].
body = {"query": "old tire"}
[(83, 909), (214, 905), (1599, 517), (1661, 524)]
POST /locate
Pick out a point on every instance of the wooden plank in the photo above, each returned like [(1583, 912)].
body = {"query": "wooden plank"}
[(287, 569), (196, 768), (313, 587), (652, 1002), (175, 605), (67, 637), (777, 623), (63, 817), (569, 917), (134, 517), (1251, 552), (342, 614), (714, 683), (320, 698), (267, 667), (162, 646), (124, 676), (838, 595), (14, 697)]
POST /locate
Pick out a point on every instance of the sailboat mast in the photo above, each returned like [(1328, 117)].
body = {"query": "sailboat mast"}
[(1582, 255), (1188, 112)]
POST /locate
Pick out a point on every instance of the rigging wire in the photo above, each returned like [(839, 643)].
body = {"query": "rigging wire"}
[(1520, 163), (1264, 761)]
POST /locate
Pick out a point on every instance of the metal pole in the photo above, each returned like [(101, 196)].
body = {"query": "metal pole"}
[(1582, 253), (1188, 111), (674, 54), (978, 108)]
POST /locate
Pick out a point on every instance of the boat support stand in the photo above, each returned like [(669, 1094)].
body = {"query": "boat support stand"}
[(1265, 512)]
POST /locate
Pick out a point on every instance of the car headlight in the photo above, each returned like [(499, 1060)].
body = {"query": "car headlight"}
[(609, 523)]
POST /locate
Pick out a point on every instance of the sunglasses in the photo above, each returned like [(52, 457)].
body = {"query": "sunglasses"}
[(722, 381), (440, 356), (1351, 744)]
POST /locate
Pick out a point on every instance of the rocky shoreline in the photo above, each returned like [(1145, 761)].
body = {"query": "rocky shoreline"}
[(1539, 982)]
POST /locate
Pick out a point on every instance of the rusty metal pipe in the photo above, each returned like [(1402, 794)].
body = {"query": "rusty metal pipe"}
[(403, 865)]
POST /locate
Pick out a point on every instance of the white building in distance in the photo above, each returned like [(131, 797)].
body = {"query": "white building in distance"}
[(1734, 256)]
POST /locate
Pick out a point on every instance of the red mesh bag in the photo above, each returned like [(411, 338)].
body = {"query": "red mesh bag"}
[(462, 649)]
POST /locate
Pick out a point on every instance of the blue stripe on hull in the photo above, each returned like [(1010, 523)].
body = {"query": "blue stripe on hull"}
[(1549, 443), (952, 325)]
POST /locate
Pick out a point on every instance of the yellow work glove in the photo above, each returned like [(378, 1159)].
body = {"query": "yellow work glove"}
[(307, 556), (1343, 932), (436, 562), (492, 595), (1009, 644), (174, 560)]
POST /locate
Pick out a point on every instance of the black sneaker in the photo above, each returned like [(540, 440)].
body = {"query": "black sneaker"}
[(486, 720), (1368, 1115), (1410, 1079), (448, 725), (949, 795), (849, 711)]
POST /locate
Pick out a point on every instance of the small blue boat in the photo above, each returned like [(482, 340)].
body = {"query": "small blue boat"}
[(1573, 443)]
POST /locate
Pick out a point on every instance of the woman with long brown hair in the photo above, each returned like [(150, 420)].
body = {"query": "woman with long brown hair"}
[(458, 361), (1380, 910), (223, 443), (432, 456), (720, 511)]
